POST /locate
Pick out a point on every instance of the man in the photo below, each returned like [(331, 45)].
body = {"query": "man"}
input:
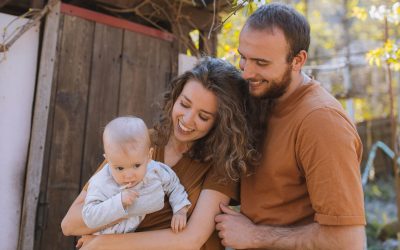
[(306, 193)]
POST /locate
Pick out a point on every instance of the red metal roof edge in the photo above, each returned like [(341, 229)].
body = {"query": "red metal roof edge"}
[(115, 22)]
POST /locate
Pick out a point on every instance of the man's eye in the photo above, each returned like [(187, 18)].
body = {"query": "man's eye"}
[(262, 63)]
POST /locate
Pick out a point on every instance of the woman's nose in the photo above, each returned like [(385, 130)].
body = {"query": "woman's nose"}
[(188, 118)]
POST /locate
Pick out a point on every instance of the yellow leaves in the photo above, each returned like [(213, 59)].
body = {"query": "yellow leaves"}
[(227, 48), (228, 26), (389, 54), (301, 7), (396, 9), (359, 13), (321, 31)]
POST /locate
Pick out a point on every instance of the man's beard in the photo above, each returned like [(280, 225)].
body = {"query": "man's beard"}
[(278, 89)]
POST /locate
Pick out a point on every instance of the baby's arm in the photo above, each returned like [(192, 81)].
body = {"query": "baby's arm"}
[(100, 210), (178, 222), (178, 197)]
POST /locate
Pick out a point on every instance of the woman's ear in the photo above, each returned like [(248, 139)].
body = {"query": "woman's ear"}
[(299, 60)]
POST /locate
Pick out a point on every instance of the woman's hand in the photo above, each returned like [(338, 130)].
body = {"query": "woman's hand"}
[(84, 241)]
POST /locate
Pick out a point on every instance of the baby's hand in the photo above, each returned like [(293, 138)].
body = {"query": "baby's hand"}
[(178, 222), (128, 197)]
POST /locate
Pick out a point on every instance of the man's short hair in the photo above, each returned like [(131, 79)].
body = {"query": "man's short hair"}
[(293, 24)]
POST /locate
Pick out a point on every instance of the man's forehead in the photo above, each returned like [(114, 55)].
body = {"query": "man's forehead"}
[(270, 29), (254, 41)]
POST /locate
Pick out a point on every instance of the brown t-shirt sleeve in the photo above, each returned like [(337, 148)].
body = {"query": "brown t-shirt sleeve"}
[(98, 169), (217, 181), (329, 152)]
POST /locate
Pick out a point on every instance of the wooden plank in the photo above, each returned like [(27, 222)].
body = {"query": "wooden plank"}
[(132, 99), (115, 22), (159, 61), (146, 66), (39, 129), (104, 91), (69, 124), (41, 215)]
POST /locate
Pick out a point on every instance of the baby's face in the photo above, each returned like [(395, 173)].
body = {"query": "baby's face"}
[(127, 167)]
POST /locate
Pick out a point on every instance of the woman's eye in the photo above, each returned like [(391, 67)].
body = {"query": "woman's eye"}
[(184, 105), (204, 118)]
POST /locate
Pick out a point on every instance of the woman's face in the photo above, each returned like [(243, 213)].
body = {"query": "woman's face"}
[(194, 112)]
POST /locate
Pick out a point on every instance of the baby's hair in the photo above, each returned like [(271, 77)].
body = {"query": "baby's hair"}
[(128, 132)]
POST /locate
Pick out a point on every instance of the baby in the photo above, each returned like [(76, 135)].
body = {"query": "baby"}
[(131, 184)]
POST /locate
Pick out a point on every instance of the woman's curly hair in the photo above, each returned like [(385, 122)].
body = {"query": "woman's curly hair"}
[(228, 145)]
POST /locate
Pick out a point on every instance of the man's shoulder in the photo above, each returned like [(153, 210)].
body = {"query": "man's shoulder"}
[(318, 99)]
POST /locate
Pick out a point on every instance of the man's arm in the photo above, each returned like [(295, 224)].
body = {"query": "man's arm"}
[(238, 232)]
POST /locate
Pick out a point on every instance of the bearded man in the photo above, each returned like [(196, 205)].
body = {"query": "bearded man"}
[(306, 192)]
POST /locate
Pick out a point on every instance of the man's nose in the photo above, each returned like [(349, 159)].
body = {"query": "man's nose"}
[(248, 71)]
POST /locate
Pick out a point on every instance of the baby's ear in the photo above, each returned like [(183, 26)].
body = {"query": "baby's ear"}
[(151, 153), (105, 157)]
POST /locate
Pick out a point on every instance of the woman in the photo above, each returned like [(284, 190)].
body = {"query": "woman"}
[(203, 135)]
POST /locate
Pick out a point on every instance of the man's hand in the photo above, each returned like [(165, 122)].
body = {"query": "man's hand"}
[(128, 197), (178, 222), (235, 229)]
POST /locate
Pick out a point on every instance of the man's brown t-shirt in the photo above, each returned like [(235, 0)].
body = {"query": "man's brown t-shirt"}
[(311, 165)]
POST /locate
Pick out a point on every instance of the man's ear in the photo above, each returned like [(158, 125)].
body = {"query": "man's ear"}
[(299, 60)]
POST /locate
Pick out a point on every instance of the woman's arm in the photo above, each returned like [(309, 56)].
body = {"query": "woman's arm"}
[(200, 226), (73, 224)]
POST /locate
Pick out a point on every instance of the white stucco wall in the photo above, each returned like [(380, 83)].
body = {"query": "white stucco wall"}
[(17, 85)]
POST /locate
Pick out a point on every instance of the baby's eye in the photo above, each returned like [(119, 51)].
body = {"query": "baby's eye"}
[(137, 165), (119, 168)]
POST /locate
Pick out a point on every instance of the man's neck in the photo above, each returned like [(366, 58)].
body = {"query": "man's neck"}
[(298, 80)]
